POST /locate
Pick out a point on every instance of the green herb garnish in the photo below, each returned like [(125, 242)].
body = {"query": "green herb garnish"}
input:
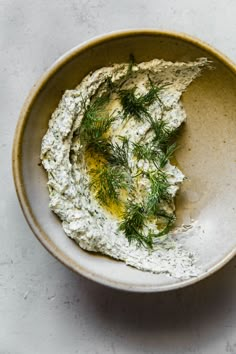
[(137, 105), (113, 173), (167, 154), (133, 223), (95, 125), (119, 154), (108, 181), (136, 214), (148, 151), (158, 192)]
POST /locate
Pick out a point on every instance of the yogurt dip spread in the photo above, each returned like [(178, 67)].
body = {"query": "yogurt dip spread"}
[(108, 153)]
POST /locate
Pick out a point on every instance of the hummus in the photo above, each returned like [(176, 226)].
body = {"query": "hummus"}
[(139, 105)]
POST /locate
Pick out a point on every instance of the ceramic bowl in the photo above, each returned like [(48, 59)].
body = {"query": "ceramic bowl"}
[(207, 155)]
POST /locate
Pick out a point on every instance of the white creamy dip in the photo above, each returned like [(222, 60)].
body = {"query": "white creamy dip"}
[(83, 218)]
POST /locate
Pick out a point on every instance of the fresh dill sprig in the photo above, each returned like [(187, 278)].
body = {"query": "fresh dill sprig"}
[(158, 88), (158, 192), (95, 124), (93, 134), (110, 178), (164, 135), (119, 154), (132, 106), (136, 105), (167, 154), (133, 223), (114, 175), (162, 132), (136, 214), (95, 107), (152, 152), (108, 181), (146, 151)]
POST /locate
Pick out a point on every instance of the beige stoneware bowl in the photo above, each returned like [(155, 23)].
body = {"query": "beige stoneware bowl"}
[(207, 155)]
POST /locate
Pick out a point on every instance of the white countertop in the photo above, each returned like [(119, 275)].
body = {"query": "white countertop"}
[(44, 307)]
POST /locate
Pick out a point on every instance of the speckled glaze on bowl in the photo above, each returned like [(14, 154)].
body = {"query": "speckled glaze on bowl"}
[(207, 155)]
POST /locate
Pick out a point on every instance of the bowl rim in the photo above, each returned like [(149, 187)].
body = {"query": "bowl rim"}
[(17, 166)]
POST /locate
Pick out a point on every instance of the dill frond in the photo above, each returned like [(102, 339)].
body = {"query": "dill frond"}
[(148, 151), (131, 104), (136, 105), (162, 132), (108, 181), (133, 223), (119, 154), (165, 156), (158, 192), (136, 214), (96, 122)]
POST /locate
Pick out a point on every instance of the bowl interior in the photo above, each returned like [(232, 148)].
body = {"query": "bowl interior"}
[(207, 155)]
